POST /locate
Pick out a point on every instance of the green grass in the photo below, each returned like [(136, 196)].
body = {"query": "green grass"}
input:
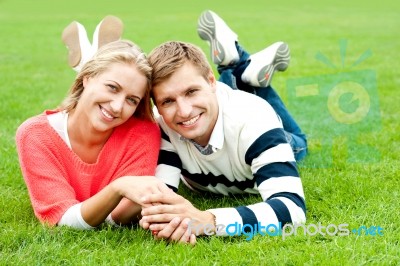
[(350, 176)]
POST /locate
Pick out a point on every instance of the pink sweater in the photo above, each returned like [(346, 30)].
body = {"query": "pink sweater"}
[(57, 178)]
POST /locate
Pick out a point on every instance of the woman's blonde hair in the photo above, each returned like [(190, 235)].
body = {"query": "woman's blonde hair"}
[(122, 51)]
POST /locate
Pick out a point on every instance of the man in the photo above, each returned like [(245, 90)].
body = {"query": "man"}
[(220, 139)]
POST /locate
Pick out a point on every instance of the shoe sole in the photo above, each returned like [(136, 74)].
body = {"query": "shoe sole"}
[(280, 63), (110, 30), (70, 38), (207, 32)]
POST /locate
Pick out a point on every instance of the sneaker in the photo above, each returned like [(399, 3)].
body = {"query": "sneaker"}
[(219, 36), (108, 30), (74, 36), (264, 63)]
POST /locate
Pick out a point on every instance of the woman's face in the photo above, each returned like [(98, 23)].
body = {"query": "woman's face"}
[(110, 98)]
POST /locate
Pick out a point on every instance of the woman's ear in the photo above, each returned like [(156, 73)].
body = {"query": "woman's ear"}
[(84, 81)]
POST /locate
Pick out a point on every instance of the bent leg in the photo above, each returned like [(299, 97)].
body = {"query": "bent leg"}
[(295, 136)]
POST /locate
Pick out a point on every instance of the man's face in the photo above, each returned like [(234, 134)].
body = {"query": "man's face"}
[(188, 103)]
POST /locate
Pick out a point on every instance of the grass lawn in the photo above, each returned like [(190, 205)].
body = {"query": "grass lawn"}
[(342, 86)]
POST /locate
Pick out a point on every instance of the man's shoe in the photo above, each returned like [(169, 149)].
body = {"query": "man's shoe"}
[(264, 63), (108, 30), (219, 36), (74, 36)]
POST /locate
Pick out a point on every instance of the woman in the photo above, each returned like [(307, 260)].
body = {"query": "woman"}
[(94, 157)]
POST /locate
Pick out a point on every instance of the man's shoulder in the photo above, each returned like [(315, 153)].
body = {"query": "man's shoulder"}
[(242, 106), (239, 98)]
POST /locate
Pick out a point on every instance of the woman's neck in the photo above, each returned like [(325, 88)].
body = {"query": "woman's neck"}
[(86, 141)]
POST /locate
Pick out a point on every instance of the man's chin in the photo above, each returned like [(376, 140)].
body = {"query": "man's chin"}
[(187, 136)]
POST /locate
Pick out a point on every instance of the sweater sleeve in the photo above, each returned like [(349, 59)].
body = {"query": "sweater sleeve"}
[(50, 193), (281, 189), (169, 164), (271, 160), (73, 218), (278, 183)]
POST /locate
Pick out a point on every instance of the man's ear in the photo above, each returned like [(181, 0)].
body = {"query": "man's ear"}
[(212, 80)]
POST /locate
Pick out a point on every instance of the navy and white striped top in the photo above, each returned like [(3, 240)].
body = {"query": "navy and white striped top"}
[(252, 155)]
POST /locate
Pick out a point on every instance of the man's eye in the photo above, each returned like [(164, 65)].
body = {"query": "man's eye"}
[(166, 102), (191, 92)]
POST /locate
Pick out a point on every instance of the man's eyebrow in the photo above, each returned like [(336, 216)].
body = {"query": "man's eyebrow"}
[(162, 99)]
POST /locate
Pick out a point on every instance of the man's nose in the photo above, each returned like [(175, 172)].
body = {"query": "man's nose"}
[(184, 108)]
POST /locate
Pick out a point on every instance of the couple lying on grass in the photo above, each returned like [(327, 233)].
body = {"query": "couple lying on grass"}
[(104, 156)]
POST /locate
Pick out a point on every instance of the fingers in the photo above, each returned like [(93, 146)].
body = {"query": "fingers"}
[(177, 231), (159, 218), (180, 233), (136, 187), (162, 210), (157, 227), (154, 228), (187, 236), (165, 198), (192, 240), (169, 229), (144, 224), (164, 188)]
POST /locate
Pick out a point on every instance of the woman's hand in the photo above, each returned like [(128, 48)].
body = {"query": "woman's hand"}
[(135, 188)]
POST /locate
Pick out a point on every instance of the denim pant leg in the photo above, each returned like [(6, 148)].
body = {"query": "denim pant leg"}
[(295, 136), (231, 75)]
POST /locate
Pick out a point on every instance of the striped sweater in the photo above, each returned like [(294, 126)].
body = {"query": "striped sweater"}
[(253, 157)]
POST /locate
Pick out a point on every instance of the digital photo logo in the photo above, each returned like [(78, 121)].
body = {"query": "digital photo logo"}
[(340, 105)]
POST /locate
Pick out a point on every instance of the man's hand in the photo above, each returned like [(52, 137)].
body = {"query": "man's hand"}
[(171, 205), (177, 230), (171, 219)]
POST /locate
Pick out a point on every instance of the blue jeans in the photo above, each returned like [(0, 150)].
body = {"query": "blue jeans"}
[(231, 75)]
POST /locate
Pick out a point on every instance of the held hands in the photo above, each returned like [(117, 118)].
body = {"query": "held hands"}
[(171, 216), (135, 188)]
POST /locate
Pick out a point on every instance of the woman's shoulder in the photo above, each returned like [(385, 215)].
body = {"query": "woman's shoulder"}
[(34, 129), (32, 123), (137, 133), (140, 126), (135, 122)]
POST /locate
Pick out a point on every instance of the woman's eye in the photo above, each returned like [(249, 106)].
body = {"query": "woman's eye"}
[(112, 87), (133, 101)]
